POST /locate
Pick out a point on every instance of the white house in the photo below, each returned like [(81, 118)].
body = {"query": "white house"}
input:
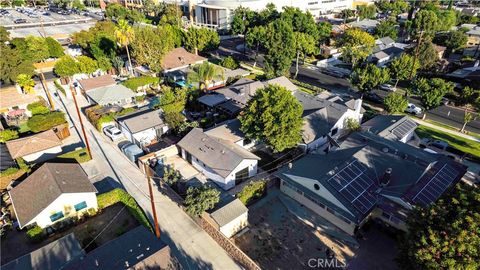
[(220, 160), (36, 148), (230, 217), (396, 127), (143, 127), (51, 193)]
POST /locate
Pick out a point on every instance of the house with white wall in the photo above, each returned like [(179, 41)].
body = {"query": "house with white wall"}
[(220, 160), (395, 127), (229, 216), (51, 193), (143, 127), (35, 148)]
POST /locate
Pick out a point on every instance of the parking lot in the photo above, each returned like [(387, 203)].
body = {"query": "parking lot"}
[(37, 16)]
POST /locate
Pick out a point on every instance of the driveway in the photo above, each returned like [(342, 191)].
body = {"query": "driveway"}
[(192, 246)]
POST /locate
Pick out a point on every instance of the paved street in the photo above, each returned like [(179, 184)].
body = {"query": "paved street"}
[(194, 248)]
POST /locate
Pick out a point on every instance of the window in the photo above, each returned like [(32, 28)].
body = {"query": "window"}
[(56, 216), (80, 206)]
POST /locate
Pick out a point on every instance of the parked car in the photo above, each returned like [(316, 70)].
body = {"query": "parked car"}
[(388, 87), (17, 21), (411, 108), (113, 132), (373, 97)]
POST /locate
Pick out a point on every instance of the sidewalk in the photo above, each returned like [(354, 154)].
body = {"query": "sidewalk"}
[(446, 130)]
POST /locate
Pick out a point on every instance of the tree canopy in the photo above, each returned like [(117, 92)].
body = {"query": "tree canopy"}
[(66, 66), (395, 103), (357, 45), (200, 39), (280, 46), (387, 28), (369, 77), (431, 91), (200, 199), (402, 67), (445, 235), (55, 50), (274, 116)]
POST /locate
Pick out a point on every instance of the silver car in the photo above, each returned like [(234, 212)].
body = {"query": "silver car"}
[(113, 132)]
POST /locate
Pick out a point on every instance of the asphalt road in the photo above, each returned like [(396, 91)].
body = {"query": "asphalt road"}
[(447, 115)]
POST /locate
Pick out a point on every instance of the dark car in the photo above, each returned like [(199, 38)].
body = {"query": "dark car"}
[(373, 97), (17, 21)]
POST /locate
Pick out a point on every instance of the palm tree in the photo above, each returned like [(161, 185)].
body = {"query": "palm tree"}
[(124, 35), (204, 73), (26, 83), (467, 118)]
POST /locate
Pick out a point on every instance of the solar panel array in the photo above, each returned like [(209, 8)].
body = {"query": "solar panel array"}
[(403, 128), (355, 186), (436, 185)]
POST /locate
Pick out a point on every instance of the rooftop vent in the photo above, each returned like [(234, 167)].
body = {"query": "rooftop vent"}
[(290, 165), (385, 149), (386, 177)]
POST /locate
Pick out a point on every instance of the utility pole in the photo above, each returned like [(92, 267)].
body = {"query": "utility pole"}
[(81, 122), (417, 50), (45, 87), (147, 169)]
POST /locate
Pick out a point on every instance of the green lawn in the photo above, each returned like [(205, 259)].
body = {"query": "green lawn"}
[(473, 134), (457, 142), (79, 155)]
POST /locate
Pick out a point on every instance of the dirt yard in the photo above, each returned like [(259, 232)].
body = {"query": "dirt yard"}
[(16, 244), (277, 239)]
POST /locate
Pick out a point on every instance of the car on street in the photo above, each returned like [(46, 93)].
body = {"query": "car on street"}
[(113, 132), (411, 108), (387, 87), (18, 21), (373, 97)]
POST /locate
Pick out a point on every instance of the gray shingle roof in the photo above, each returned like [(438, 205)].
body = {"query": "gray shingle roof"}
[(229, 131), (228, 212), (212, 100), (283, 81), (219, 154), (45, 185), (241, 91), (142, 120), (110, 94), (390, 126)]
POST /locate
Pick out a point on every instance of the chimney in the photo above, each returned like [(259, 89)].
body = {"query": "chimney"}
[(386, 177)]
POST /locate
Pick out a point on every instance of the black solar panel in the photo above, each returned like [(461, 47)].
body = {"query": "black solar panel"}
[(355, 186), (401, 130), (436, 185)]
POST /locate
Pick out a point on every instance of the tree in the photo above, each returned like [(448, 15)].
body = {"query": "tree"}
[(38, 48), (347, 13), (200, 39), (242, 19), (4, 35), (304, 44), (393, 7), (425, 22), (42, 122), (431, 91), (456, 40), (267, 15), (66, 66), (387, 28), (301, 22), (26, 83), (104, 63), (118, 63), (124, 35), (369, 77), (401, 67), (174, 120), (280, 46), (427, 55), (12, 64), (86, 64), (116, 11), (469, 96), (467, 118), (55, 50), (395, 103), (274, 116), (446, 19), (7, 135), (255, 38), (357, 45), (170, 175), (367, 11), (78, 5), (444, 235), (229, 62), (200, 199), (150, 46), (324, 32), (204, 73), (172, 101), (38, 108)]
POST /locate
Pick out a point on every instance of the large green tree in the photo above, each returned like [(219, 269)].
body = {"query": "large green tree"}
[(324, 32), (367, 11), (200, 39), (302, 22), (280, 47), (200, 199), (26, 83), (357, 45), (124, 35), (456, 40), (86, 64), (150, 45), (204, 74), (444, 235), (395, 103), (255, 38), (427, 55), (402, 67), (12, 63), (431, 91), (304, 45), (273, 116), (66, 66), (369, 77), (387, 28), (38, 48), (55, 50)]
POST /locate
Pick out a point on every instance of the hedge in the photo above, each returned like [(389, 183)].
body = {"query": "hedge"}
[(42, 122), (135, 83), (313, 88), (252, 191), (36, 234), (60, 88), (119, 195), (38, 108), (7, 135)]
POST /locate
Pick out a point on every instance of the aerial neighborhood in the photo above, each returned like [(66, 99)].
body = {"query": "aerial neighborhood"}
[(201, 134)]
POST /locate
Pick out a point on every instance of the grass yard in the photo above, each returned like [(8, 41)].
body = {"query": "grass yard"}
[(457, 142), (79, 155), (473, 134)]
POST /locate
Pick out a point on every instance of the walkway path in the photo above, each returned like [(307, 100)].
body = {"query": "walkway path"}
[(446, 130)]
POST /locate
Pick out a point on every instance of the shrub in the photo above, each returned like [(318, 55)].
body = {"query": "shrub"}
[(229, 62), (119, 195), (7, 135), (395, 103), (252, 191), (352, 124), (38, 108), (135, 83), (200, 199), (9, 171), (42, 122), (140, 98), (60, 88), (36, 234)]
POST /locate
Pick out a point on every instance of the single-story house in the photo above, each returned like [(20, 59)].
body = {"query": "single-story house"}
[(36, 148), (135, 249), (384, 42), (230, 216), (143, 127), (325, 119), (470, 72), (366, 173), (13, 103), (385, 56), (111, 95), (51, 193), (220, 160), (394, 127), (96, 82), (53, 255), (178, 59)]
